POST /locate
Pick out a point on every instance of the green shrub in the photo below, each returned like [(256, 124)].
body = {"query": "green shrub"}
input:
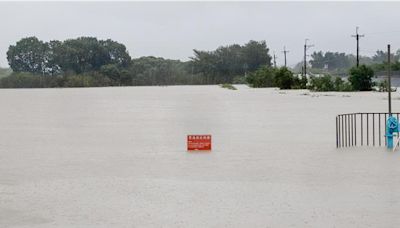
[(271, 77), (263, 77), (341, 85), (323, 83), (300, 82), (361, 78), (327, 83), (28, 80), (284, 78)]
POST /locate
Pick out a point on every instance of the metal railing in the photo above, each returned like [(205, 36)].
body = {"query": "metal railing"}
[(362, 129)]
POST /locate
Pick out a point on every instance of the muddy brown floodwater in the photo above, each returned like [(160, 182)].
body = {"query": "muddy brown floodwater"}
[(115, 157)]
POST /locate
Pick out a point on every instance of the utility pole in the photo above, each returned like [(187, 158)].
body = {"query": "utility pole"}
[(274, 60), (305, 56), (284, 52), (357, 36), (389, 83)]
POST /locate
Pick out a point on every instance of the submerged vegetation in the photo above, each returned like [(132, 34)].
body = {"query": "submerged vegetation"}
[(360, 79), (228, 86), (282, 78), (329, 83)]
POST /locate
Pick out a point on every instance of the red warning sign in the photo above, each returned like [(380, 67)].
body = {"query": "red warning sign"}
[(198, 142)]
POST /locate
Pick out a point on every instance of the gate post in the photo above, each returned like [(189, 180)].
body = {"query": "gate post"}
[(392, 127)]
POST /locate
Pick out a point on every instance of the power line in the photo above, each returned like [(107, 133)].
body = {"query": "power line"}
[(384, 32), (357, 36)]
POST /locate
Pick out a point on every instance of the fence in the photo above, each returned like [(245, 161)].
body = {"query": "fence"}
[(362, 129)]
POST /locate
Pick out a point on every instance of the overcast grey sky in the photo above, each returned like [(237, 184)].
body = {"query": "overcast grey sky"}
[(174, 29)]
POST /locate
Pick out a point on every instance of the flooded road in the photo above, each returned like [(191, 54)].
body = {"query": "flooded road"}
[(116, 157)]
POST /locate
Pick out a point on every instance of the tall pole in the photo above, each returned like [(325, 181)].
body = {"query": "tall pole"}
[(389, 83), (391, 122), (357, 36), (358, 48), (274, 60), (305, 56), (284, 52), (305, 59)]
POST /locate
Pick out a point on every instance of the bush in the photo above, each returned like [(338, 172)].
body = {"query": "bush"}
[(263, 77), (300, 82), (361, 78), (341, 85), (323, 83), (270, 77), (78, 81), (29, 80), (284, 78), (327, 83), (383, 86)]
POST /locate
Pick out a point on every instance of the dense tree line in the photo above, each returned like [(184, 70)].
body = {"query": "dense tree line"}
[(87, 61)]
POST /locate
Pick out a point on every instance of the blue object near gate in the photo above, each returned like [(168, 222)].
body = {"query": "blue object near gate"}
[(392, 126)]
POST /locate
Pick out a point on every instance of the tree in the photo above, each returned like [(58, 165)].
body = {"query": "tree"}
[(256, 54), (28, 55), (361, 78), (204, 62), (116, 53), (228, 62), (51, 58), (318, 60), (84, 54)]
